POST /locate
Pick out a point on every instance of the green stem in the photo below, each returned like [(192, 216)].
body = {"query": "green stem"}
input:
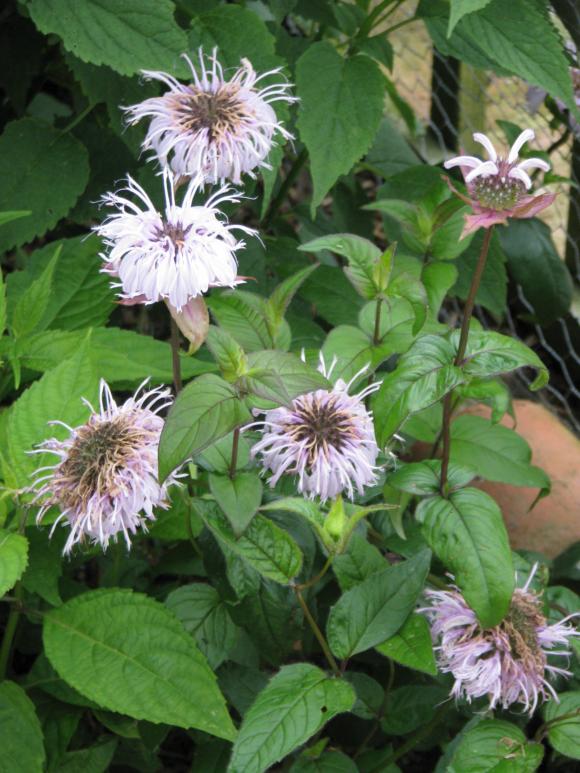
[(9, 632), (80, 117), (464, 335), (543, 729), (304, 585), (234, 458), (400, 24), (278, 200), (377, 330), (175, 359), (317, 632)]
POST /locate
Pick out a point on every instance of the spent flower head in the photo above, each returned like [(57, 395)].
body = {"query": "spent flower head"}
[(105, 481), (508, 663), (326, 438), (498, 187), (175, 255), (215, 127)]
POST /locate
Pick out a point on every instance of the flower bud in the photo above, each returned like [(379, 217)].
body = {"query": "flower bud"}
[(192, 320)]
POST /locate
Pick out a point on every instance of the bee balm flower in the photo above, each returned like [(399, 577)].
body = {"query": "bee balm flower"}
[(509, 662), (105, 481), (214, 127), (498, 187), (326, 438), (175, 255)]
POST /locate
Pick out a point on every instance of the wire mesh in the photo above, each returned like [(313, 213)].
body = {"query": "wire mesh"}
[(435, 86)]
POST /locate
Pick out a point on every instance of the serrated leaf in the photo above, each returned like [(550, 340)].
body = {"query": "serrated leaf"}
[(468, 534), (422, 377), (8, 217), (329, 761), (341, 104), (243, 315), (80, 297), (131, 655), (281, 376), (411, 706), (305, 508), (227, 352), (31, 305), (498, 453), (412, 289), (20, 732), (460, 8), (119, 356), (205, 616), (489, 354), (54, 397), (375, 609), (45, 566), (239, 497), (13, 559), (127, 35), (359, 561), (93, 759), (266, 547), (42, 170), (495, 746), (354, 350), (295, 704), (411, 646), (362, 257), (204, 411)]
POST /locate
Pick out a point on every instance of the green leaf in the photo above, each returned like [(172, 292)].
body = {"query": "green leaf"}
[(359, 561), (305, 508), (31, 305), (535, 264), (45, 566), (204, 411), (362, 256), (281, 376), (128, 36), (119, 356), (341, 104), (13, 559), (94, 759), (354, 350), (20, 732), (295, 705), (503, 36), (369, 613), (489, 354), (80, 295), (564, 736), (237, 32), (411, 706), (423, 478), (278, 302), (413, 290), (468, 534), (227, 352), (411, 646), (333, 297), (266, 547), (495, 746), (422, 377), (243, 315), (42, 170), (54, 397), (239, 497), (8, 217), (460, 8), (129, 654), (496, 452), (390, 152), (205, 616)]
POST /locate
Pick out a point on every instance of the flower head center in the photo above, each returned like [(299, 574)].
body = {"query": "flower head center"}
[(218, 113), (99, 451), (499, 191), (320, 423), (521, 625), (175, 233)]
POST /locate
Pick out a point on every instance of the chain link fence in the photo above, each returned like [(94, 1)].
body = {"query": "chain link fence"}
[(452, 101)]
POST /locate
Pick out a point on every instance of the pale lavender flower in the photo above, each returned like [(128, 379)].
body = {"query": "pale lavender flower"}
[(507, 663), (105, 481), (213, 127), (175, 255), (498, 187), (326, 438)]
